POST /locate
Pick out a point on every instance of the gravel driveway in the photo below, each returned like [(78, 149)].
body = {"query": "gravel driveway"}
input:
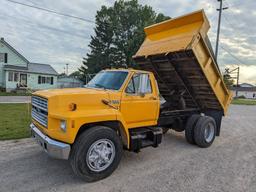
[(228, 165)]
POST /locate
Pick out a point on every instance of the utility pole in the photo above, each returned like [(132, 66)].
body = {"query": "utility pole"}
[(67, 69), (234, 74), (218, 30), (237, 80)]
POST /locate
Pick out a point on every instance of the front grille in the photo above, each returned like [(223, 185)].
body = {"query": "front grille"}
[(40, 110)]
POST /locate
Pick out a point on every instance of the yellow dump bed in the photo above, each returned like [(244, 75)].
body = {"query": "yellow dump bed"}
[(179, 54)]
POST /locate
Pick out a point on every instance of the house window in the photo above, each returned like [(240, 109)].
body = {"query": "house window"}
[(10, 76), (39, 79), (45, 80), (16, 77), (13, 76), (3, 58), (48, 80), (51, 80)]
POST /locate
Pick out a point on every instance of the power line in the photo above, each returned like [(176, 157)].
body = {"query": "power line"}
[(232, 55), (235, 5), (235, 31), (237, 18), (33, 25), (52, 11)]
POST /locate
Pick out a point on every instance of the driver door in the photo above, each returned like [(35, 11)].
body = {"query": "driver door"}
[(139, 103)]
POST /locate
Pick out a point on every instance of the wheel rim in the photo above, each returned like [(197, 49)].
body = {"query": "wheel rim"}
[(100, 155), (209, 132)]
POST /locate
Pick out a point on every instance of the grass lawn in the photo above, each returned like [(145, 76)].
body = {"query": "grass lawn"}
[(14, 121), (14, 94), (244, 101)]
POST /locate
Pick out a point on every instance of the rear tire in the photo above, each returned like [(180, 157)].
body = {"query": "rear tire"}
[(205, 131), (96, 153), (189, 129)]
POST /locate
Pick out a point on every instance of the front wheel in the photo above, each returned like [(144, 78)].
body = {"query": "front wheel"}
[(96, 153)]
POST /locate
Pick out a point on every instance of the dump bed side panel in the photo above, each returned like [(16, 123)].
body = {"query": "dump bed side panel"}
[(211, 71)]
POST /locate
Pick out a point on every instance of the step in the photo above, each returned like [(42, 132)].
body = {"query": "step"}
[(145, 137)]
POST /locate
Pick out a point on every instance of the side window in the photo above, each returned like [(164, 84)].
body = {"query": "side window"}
[(145, 85), (130, 87), (136, 79), (139, 83)]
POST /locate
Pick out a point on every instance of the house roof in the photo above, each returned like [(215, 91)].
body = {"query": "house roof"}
[(15, 67), (246, 85), (33, 68), (41, 68), (14, 50), (247, 89)]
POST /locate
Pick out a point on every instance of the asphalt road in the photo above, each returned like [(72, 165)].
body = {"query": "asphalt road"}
[(228, 165)]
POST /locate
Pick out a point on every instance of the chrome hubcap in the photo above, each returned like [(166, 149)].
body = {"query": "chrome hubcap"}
[(209, 132), (100, 155)]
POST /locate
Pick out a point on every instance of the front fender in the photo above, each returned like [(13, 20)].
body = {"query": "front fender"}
[(76, 119)]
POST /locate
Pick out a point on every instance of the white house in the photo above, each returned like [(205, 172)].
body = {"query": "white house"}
[(16, 72), (244, 90)]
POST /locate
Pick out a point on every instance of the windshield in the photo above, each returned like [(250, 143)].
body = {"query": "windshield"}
[(108, 80)]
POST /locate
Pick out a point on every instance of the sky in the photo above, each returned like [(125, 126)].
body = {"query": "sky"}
[(48, 38)]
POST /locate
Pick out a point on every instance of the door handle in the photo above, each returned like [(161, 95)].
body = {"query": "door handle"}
[(153, 98)]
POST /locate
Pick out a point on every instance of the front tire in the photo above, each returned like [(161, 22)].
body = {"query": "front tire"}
[(96, 153)]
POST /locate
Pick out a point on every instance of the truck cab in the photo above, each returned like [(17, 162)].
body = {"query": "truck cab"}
[(117, 100)]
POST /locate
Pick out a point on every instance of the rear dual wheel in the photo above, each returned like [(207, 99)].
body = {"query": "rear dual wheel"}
[(200, 130)]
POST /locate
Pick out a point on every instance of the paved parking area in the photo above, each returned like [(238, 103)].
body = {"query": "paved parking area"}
[(228, 165)]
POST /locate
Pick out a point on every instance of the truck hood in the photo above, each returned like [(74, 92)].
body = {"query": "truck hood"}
[(85, 99), (68, 91)]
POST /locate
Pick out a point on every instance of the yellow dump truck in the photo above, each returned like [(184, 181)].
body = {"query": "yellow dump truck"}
[(179, 86)]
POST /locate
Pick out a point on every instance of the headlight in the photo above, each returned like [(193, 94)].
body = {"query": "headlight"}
[(63, 125)]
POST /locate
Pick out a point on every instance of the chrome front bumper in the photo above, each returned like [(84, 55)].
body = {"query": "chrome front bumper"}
[(54, 148)]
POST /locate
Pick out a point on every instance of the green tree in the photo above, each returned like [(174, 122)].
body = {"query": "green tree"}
[(119, 33), (229, 81)]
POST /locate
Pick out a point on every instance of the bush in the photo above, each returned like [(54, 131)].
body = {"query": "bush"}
[(2, 89), (241, 97)]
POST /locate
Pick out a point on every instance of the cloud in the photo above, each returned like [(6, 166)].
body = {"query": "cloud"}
[(48, 38)]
